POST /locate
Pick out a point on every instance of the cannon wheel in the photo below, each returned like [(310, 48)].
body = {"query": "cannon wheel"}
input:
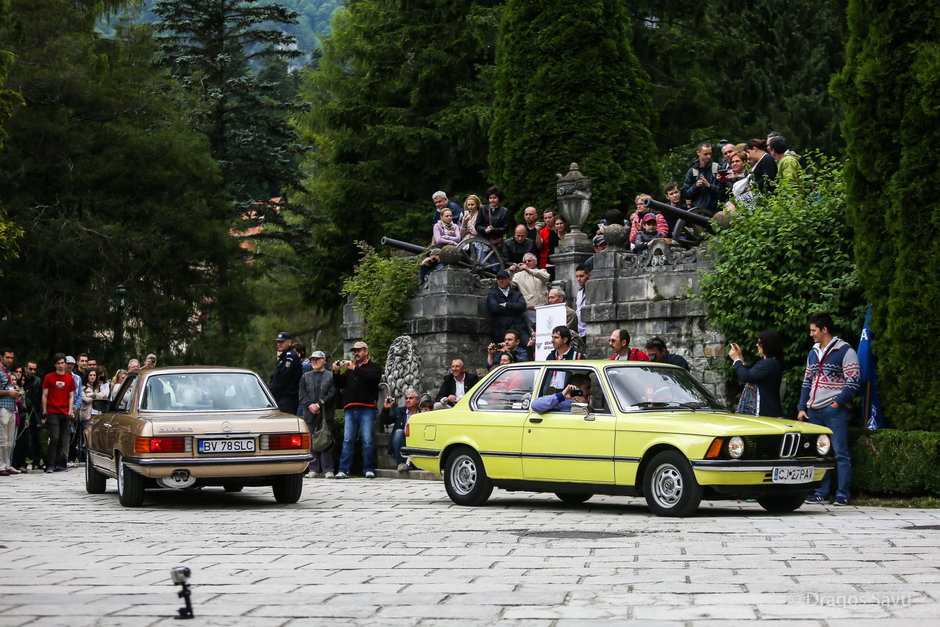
[(478, 255), (687, 234)]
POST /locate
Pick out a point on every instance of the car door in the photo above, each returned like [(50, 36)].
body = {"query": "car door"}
[(110, 425), (570, 446), (499, 413)]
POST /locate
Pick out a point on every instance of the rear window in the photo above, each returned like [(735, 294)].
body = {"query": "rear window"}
[(509, 390)]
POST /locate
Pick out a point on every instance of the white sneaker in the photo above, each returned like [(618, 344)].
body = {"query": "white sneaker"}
[(370, 475), (341, 475), (328, 475), (70, 465)]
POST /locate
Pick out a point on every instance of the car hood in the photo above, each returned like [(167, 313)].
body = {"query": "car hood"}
[(713, 423)]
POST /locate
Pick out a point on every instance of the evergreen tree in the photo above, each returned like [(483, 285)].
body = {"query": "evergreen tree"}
[(890, 87), (569, 88), (109, 186), (399, 107), (9, 100)]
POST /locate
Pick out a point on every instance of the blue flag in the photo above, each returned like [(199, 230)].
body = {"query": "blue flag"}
[(874, 416)]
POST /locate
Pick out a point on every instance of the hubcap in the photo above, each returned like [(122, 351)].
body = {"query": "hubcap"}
[(667, 485), (463, 475)]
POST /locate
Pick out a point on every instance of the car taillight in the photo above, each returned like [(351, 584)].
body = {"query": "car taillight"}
[(407, 430), (174, 444), (285, 441)]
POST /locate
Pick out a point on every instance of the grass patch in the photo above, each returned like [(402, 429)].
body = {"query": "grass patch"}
[(906, 502)]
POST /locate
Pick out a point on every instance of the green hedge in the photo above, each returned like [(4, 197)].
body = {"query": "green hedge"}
[(892, 462)]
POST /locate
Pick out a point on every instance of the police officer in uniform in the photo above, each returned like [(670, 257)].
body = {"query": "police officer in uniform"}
[(285, 382)]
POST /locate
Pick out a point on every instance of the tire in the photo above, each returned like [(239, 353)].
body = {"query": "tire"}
[(130, 486), (569, 498), (233, 487), (288, 488), (670, 486), (783, 503), (465, 478), (95, 482)]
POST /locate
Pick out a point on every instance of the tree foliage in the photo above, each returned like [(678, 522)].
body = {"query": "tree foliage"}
[(780, 263), (742, 67), (891, 90), (397, 113), (381, 287), (567, 91), (109, 186)]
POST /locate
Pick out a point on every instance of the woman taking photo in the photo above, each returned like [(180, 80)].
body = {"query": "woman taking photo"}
[(761, 396)]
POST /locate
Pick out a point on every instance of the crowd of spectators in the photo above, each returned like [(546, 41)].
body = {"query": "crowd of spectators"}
[(42, 415)]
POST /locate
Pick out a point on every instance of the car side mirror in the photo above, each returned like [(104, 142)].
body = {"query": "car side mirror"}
[(579, 408), (102, 405)]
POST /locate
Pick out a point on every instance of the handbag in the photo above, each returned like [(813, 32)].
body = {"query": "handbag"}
[(323, 438), (750, 399)]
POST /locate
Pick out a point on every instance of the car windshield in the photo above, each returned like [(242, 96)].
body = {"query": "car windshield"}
[(639, 388), (204, 391)]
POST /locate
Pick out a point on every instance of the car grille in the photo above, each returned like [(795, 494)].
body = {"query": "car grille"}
[(787, 446)]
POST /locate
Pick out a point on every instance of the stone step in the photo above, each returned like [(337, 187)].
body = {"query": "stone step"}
[(422, 475)]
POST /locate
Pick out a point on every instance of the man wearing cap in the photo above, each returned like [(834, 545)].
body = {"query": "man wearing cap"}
[(285, 382), (359, 382), (318, 399), (507, 309), (149, 362), (647, 234), (600, 244)]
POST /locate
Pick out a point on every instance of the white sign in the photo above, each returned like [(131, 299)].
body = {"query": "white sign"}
[(547, 317)]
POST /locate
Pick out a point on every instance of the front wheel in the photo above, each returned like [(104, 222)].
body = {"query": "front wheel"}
[(573, 499), (465, 478), (130, 485), (95, 482), (288, 488), (670, 486), (783, 503)]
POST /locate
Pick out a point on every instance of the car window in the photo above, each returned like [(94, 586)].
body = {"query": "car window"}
[(122, 400), (639, 388), (509, 390), (204, 391), (556, 379)]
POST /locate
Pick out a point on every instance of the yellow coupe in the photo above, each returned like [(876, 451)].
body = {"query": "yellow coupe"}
[(579, 428)]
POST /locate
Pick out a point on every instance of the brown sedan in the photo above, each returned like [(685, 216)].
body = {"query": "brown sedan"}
[(194, 426)]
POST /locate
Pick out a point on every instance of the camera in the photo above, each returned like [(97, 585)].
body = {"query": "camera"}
[(180, 574), (576, 393)]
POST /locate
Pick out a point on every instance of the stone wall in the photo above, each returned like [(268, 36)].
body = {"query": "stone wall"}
[(652, 294)]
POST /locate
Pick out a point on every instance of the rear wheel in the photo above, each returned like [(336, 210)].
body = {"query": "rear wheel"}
[(95, 482), (783, 503), (288, 488), (670, 486), (465, 478), (130, 486), (573, 499)]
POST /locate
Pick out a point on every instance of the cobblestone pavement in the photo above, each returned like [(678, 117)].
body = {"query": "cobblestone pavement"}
[(396, 552)]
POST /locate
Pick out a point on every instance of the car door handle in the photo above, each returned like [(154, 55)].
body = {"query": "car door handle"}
[(535, 420), (589, 418)]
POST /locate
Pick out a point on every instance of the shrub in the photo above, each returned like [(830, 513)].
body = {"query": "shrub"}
[(892, 462), (381, 288), (787, 258)]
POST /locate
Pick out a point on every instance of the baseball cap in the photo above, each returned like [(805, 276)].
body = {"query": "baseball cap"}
[(317, 355), (284, 335), (649, 217), (360, 345), (502, 274), (598, 240), (70, 360), (151, 356)]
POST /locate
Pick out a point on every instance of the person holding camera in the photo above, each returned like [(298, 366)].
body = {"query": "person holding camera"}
[(511, 345), (359, 382), (532, 283), (701, 181), (398, 417), (578, 390)]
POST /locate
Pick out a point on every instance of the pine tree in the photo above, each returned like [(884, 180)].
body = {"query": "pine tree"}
[(110, 187), (569, 88), (399, 106), (890, 87)]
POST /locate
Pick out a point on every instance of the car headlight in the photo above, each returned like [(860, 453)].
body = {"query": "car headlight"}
[(823, 444), (736, 447)]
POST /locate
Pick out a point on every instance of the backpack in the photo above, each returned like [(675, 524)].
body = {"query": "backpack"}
[(695, 170)]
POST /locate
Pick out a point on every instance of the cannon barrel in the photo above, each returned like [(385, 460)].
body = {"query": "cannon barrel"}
[(682, 214), (400, 245)]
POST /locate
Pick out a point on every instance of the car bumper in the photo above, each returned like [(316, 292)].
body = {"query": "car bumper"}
[(214, 467)]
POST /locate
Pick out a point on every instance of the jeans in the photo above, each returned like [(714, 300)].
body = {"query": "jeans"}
[(395, 443), (58, 425), (837, 419), (361, 421)]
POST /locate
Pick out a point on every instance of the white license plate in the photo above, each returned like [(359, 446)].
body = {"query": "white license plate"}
[(800, 474), (243, 445)]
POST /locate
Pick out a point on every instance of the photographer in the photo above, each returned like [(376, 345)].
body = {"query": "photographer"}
[(532, 283), (512, 343), (398, 417), (701, 181), (578, 390)]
